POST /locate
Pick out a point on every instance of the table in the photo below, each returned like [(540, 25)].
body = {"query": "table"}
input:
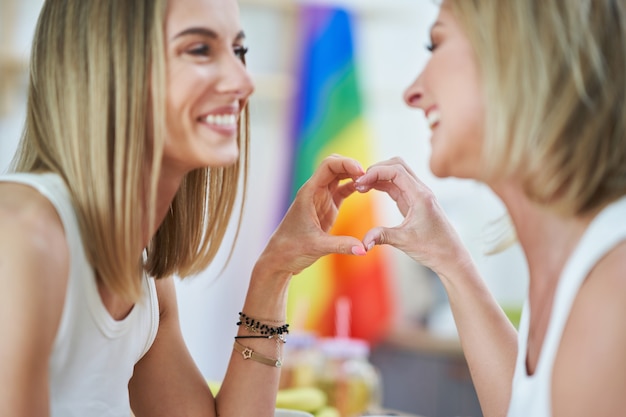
[(424, 374), (388, 412)]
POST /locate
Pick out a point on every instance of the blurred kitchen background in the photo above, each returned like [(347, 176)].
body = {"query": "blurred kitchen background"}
[(416, 349)]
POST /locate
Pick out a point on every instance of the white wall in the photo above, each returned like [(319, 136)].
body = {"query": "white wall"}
[(391, 39), (19, 30)]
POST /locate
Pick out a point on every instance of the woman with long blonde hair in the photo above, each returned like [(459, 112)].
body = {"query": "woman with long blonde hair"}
[(127, 174)]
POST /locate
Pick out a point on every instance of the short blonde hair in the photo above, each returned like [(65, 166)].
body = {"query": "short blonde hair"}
[(96, 102), (554, 75)]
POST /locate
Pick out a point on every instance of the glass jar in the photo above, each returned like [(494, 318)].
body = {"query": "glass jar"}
[(350, 381), (301, 359)]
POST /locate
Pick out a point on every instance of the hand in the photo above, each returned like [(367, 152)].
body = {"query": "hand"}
[(425, 234), (302, 237)]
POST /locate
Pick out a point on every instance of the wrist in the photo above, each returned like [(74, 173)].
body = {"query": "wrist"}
[(451, 261), (267, 291), (458, 270), (269, 268)]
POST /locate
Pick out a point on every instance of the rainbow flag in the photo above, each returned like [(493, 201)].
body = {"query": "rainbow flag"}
[(329, 119)]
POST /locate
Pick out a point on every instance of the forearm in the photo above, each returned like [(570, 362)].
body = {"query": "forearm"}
[(167, 382), (250, 387), (488, 338)]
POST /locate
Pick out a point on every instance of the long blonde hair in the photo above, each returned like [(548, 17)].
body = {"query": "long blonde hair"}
[(96, 101), (554, 74)]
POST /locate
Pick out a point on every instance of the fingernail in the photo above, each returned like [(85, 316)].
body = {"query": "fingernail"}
[(370, 246), (358, 250)]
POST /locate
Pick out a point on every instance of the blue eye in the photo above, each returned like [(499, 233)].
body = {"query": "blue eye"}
[(240, 51)]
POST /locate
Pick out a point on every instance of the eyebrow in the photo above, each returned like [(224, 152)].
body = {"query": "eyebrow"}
[(206, 32)]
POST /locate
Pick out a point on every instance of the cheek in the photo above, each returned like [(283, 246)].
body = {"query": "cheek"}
[(467, 135), (178, 100), (469, 123), (457, 146), (183, 83), (466, 110), (176, 92)]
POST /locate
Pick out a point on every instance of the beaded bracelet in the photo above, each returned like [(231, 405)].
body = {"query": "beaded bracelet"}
[(248, 353), (256, 326)]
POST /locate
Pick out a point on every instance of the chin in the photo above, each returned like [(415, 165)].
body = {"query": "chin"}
[(220, 161), (438, 170), (461, 168)]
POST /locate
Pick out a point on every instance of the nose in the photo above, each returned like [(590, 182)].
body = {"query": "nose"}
[(235, 78), (414, 93)]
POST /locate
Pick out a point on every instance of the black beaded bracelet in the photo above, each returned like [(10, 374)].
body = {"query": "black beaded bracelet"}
[(256, 326)]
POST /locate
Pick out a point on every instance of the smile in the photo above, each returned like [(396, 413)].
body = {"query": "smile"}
[(433, 118), (222, 120)]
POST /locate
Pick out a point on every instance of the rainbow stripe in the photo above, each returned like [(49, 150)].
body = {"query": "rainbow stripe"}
[(329, 119)]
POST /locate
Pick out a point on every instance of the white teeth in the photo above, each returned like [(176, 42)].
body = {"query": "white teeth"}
[(221, 119), (433, 118)]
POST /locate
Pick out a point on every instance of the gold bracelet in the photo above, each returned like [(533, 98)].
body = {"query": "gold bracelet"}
[(248, 353)]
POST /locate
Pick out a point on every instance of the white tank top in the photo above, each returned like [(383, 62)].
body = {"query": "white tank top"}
[(531, 394), (93, 355)]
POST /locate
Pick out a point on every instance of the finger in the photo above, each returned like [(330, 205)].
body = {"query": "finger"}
[(378, 236), (346, 245), (396, 161), (394, 180), (342, 192), (387, 187), (336, 168), (387, 173)]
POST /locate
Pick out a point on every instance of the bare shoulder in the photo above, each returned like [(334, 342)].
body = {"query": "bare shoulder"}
[(33, 278), (33, 250), (31, 226), (590, 368)]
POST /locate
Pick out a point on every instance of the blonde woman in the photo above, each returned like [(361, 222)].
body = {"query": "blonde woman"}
[(530, 98), (127, 175)]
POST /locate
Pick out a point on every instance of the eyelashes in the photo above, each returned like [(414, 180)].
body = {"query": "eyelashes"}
[(204, 50), (241, 52), (200, 50), (431, 47)]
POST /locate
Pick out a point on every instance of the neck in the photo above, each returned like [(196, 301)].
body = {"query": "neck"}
[(546, 238)]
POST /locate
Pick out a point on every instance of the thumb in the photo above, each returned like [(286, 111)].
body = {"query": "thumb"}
[(377, 236), (346, 245)]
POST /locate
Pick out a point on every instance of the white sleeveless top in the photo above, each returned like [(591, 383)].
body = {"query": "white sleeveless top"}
[(531, 394), (93, 355)]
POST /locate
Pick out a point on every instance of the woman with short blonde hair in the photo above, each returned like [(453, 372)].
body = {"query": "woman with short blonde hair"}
[(528, 97), (554, 83)]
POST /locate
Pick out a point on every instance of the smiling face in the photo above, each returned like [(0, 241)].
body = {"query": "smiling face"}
[(207, 84), (449, 92)]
